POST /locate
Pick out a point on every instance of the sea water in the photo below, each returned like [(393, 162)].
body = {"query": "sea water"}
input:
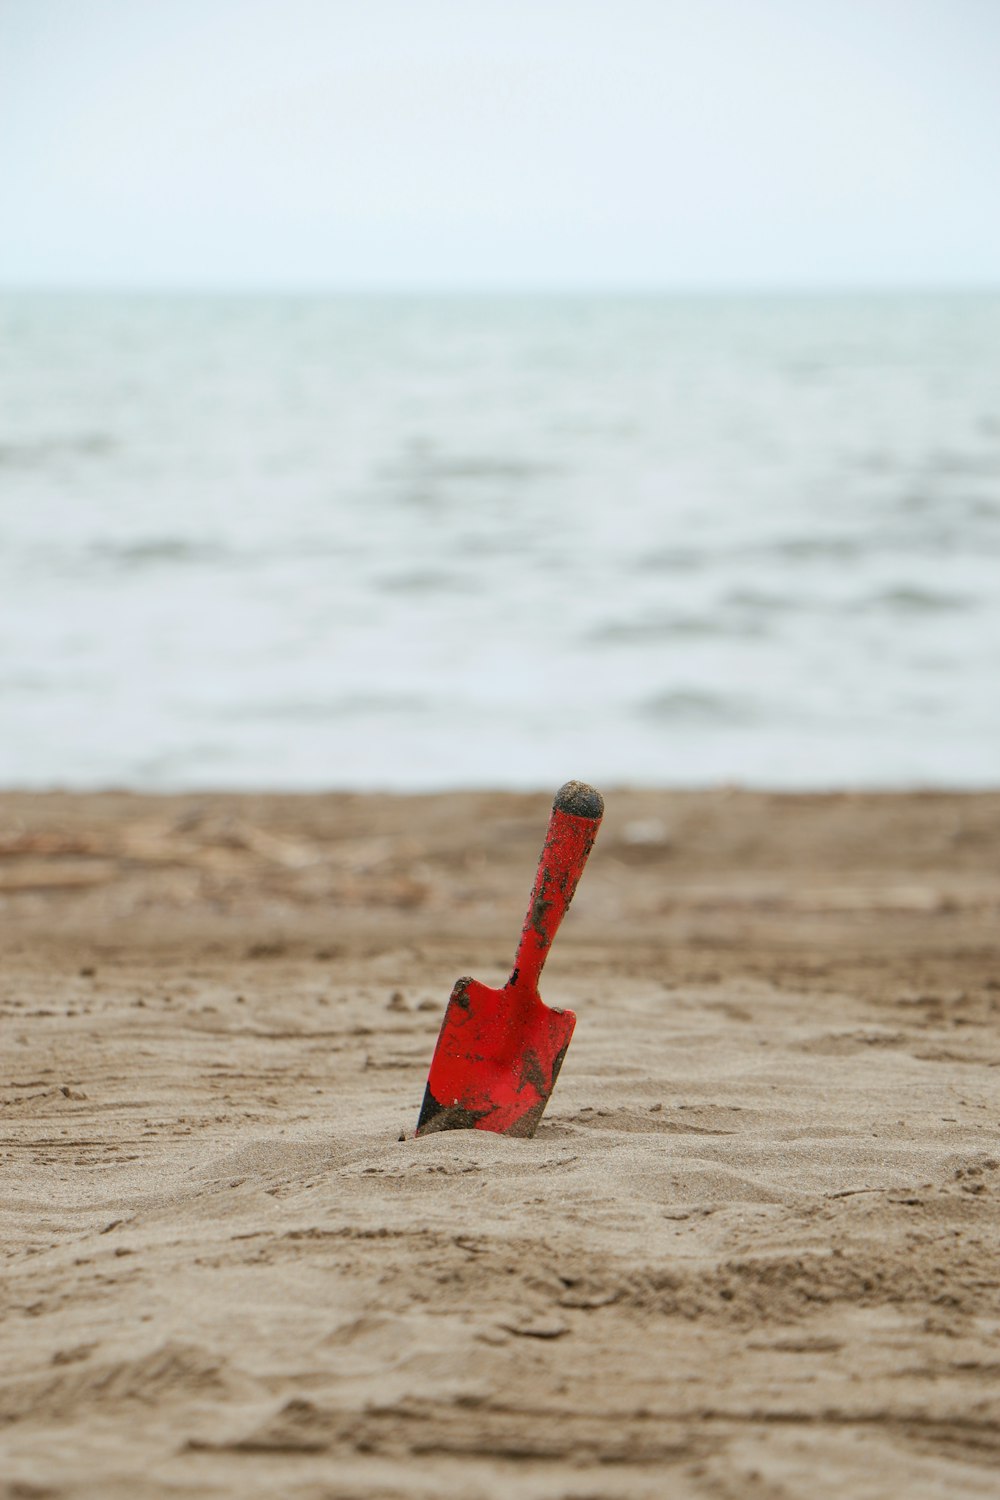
[(300, 542)]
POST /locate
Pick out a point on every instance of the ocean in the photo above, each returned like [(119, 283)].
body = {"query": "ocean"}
[(419, 543)]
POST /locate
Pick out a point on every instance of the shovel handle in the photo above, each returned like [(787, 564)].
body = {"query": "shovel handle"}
[(576, 817)]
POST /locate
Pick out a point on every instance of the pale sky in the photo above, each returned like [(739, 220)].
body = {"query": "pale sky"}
[(466, 144)]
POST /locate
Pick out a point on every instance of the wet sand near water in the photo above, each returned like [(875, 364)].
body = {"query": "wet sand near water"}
[(751, 1252)]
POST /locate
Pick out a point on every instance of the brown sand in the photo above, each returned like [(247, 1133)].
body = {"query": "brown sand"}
[(752, 1251)]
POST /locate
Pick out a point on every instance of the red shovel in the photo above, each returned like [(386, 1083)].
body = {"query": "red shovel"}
[(499, 1051)]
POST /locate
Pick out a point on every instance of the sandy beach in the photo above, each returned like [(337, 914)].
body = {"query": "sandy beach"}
[(751, 1253)]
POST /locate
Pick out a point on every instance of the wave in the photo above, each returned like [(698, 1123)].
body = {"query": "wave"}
[(672, 559), (914, 599), (161, 551), (698, 707), (32, 452), (427, 465), (425, 581), (673, 627)]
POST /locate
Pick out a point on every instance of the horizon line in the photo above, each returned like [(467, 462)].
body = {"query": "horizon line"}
[(442, 291)]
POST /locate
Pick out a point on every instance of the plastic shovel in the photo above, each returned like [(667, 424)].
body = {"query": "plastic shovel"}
[(499, 1052)]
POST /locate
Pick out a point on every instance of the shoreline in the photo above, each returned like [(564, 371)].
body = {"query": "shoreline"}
[(749, 1251)]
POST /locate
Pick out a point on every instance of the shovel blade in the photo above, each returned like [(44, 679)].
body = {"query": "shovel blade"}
[(496, 1062)]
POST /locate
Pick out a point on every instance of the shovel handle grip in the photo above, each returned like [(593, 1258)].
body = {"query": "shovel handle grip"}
[(576, 817)]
